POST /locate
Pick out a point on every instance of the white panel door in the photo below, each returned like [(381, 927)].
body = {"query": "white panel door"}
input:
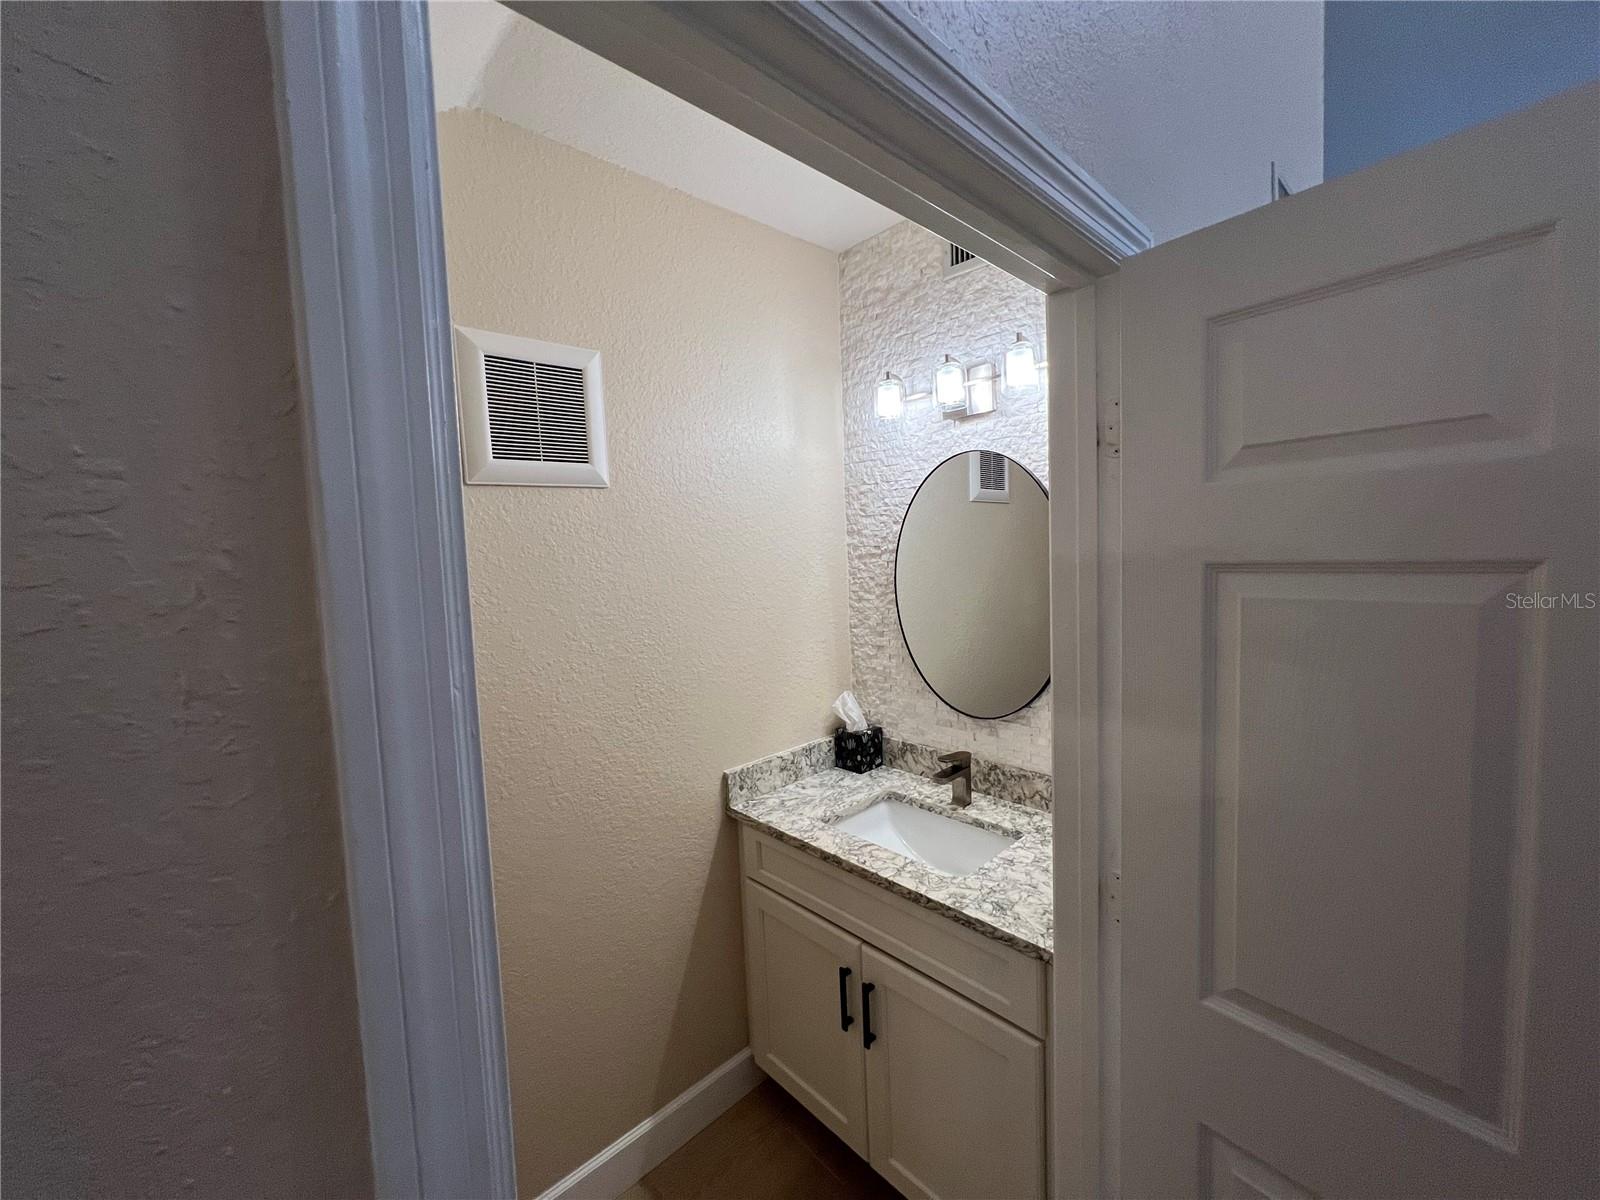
[(804, 977), (1361, 818), (955, 1096)]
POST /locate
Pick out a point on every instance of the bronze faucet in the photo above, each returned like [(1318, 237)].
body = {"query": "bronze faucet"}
[(958, 774)]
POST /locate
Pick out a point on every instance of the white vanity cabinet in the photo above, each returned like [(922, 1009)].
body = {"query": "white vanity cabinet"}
[(871, 1012), (805, 1000)]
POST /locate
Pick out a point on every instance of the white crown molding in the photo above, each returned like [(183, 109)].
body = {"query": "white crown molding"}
[(866, 94), (929, 77), (361, 194)]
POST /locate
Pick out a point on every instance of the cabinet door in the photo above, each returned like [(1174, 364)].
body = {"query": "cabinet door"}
[(955, 1096), (805, 1018)]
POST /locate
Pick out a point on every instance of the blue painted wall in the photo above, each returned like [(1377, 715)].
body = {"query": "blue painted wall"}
[(1401, 73)]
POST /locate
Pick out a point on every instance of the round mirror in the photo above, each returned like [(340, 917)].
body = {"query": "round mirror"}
[(972, 583)]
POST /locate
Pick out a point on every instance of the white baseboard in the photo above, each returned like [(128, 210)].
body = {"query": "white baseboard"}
[(628, 1159)]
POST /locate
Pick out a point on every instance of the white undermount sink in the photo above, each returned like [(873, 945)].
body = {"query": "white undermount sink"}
[(952, 847)]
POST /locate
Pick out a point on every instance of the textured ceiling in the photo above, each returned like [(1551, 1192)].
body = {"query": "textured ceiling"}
[(1178, 108), (486, 56)]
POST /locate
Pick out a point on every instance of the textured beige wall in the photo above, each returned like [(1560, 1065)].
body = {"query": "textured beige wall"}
[(179, 996), (635, 641)]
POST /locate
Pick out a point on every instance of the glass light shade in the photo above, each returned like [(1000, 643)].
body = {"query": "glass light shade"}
[(891, 396), (980, 390), (1022, 369), (950, 384)]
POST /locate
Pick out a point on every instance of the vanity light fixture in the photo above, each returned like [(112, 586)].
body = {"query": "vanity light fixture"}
[(1022, 368), (980, 389), (891, 396), (950, 384)]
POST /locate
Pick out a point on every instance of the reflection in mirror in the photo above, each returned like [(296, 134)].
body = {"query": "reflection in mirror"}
[(972, 583)]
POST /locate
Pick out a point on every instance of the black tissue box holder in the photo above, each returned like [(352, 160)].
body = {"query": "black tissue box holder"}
[(860, 751)]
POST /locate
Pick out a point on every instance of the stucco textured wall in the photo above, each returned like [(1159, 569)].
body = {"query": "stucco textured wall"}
[(633, 642), (179, 994), (1178, 107), (898, 312)]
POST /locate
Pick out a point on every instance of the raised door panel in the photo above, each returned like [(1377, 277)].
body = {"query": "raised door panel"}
[(1283, 391), (955, 1096), (1369, 785), (804, 1029), (1228, 1172)]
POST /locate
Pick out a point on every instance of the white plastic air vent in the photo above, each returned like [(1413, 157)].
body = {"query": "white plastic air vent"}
[(959, 260), (989, 477), (531, 411)]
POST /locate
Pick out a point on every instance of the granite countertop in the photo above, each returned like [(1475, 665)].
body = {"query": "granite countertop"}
[(1008, 898)]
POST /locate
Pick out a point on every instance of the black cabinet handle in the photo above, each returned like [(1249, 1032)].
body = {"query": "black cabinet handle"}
[(867, 1036), (845, 1019)]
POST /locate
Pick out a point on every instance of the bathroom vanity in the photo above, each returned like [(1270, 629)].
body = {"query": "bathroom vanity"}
[(897, 955)]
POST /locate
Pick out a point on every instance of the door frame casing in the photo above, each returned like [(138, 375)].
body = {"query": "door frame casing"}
[(361, 189), (372, 326), (1075, 1003)]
